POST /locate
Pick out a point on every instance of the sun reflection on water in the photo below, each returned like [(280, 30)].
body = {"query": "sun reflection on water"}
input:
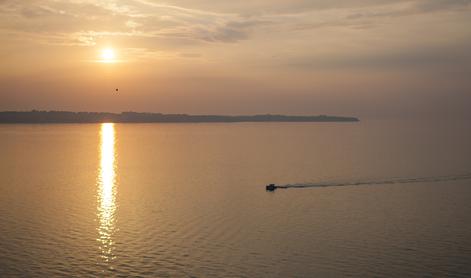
[(106, 194)]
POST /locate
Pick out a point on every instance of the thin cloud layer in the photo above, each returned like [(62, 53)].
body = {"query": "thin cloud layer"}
[(86, 22)]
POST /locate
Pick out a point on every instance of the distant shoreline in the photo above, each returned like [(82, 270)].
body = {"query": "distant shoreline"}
[(32, 117)]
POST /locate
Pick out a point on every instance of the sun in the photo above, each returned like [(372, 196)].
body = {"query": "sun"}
[(108, 55)]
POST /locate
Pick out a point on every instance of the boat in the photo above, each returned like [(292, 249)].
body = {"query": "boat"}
[(270, 187)]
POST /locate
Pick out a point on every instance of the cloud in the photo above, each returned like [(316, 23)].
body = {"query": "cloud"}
[(401, 9), (275, 26), (143, 18), (440, 5), (456, 56), (85, 22)]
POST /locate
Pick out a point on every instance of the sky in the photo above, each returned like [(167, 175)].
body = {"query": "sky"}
[(371, 59)]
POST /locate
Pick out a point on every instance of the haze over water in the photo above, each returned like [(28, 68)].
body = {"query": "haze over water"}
[(188, 200)]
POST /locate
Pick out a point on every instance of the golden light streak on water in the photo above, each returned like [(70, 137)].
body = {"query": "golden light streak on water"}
[(106, 194)]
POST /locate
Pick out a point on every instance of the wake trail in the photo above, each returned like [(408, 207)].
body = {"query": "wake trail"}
[(379, 181)]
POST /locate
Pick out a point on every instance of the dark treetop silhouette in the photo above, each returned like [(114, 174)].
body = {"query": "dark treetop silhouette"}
[(35, 116)]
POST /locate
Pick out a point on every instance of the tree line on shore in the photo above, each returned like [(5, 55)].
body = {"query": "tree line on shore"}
[(36, 116)]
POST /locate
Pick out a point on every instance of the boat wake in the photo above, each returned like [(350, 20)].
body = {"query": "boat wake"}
[(379, 181)]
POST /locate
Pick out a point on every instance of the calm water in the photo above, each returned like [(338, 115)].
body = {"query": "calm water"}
[(188, 200)]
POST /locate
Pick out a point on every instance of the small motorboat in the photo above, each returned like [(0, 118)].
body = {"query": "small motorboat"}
[(270, 187)]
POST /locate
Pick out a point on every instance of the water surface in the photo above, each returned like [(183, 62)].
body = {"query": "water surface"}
[(185, 200)]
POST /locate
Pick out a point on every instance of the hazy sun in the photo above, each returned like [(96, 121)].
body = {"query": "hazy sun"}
[(108, 55)]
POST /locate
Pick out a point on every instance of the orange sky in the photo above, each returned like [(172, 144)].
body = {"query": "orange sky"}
[(362, 58)]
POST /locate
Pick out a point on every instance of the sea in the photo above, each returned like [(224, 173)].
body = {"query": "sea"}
[(375, 198)]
